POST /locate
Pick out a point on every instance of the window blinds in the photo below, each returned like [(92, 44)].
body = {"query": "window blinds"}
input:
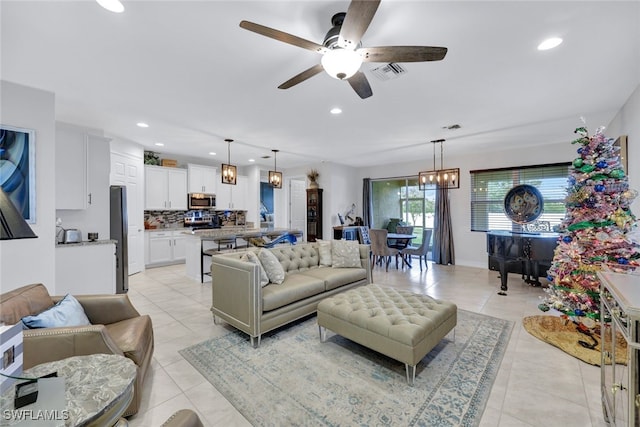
[(489, 188)]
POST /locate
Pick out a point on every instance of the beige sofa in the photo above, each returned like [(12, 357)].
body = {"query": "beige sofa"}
[(116, 328), (239, 299)]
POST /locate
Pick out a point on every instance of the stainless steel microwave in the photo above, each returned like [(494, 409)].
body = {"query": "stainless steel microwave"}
[(202, 201)]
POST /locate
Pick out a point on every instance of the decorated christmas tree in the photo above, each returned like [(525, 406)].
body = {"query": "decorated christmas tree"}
[(593, 234)]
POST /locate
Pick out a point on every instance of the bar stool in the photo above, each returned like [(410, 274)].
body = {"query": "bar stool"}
[(226, 242), (203, 253)]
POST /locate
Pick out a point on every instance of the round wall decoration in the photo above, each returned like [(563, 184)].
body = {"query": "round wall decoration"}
[(523, 204)]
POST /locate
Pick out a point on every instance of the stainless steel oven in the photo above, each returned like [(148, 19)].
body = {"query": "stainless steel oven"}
[(202, 201)]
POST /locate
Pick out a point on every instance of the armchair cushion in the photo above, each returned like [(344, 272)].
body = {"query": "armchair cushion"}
[(133, 336), (66, 312)]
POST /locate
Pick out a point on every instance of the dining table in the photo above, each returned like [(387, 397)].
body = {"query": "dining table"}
[(401, 242)]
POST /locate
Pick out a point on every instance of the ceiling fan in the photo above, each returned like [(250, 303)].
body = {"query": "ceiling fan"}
[(342, 51)]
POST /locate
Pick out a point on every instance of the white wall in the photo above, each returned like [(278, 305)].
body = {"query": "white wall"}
[(341, 186), (32, 260), (470, 247), (627, 122)]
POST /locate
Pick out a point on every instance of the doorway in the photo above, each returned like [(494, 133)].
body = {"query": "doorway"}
[(298, 205)]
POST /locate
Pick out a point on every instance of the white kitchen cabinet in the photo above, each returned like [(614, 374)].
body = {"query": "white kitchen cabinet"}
[(233, 196), (80, 168), (72, 171), (202, 179), (165, 188), (86, 268), (165, 247)]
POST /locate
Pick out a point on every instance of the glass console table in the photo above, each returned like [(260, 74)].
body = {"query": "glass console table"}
[(620, 384), (98, 389)]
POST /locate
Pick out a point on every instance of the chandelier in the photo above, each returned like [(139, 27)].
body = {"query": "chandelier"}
[(443, 178), (229, 171), (275, 177)]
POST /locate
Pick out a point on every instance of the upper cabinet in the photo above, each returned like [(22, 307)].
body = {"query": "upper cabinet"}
[(202, 179), (81, 172), (232, 197), (165, 188)]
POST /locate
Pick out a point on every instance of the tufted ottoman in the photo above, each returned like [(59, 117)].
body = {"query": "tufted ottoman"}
[(399, 324)]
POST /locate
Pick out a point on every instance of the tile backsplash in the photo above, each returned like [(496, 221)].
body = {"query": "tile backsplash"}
[(174, 219)]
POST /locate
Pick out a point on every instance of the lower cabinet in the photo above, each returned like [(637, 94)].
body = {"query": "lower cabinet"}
[(164, 247), (86, 268)]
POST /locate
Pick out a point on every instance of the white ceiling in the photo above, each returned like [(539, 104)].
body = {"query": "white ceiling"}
[(189, 71)]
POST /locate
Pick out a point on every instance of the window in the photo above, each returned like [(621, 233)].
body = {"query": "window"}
[(489, 187)]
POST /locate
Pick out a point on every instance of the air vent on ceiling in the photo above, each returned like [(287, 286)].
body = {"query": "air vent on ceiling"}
[(388, 71)]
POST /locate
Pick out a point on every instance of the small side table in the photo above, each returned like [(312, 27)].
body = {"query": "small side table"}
[(98, 388)]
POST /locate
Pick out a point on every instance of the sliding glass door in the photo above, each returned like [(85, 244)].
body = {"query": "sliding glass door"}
[(400, 198)]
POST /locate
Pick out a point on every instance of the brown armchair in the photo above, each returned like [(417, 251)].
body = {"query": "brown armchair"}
[(116, 328)]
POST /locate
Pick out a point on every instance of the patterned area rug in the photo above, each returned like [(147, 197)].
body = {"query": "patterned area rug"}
[(294, 379)]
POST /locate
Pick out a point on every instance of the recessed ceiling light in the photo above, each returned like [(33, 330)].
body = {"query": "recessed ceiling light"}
[(142, 125), (211, 153), (550, 43), (111, 5), (336, 110), (252, 160), (159, 144)]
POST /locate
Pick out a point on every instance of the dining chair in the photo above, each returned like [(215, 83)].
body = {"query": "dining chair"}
[(421, 250), (363, 235), (402, 243), (379, 249)]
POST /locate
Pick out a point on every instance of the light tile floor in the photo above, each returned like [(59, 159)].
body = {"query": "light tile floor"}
[(537, 384)]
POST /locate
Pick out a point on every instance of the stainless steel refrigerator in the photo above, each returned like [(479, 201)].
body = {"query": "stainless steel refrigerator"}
[(119, 225)]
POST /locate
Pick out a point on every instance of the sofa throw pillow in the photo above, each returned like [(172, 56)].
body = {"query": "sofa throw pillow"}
[(272, 266), (252, 257), (345, 253), (324, 250), (67, 312)]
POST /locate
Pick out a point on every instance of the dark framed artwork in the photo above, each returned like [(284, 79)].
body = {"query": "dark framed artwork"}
[(17, 169)]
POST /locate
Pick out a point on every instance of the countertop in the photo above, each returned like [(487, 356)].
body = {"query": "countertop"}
[(86, 243)]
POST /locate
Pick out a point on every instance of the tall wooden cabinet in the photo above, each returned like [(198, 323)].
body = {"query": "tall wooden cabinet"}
[(314, 214)]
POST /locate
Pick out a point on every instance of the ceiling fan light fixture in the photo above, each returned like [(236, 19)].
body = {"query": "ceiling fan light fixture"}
[(112, 5), (341, 63), (550, 43)]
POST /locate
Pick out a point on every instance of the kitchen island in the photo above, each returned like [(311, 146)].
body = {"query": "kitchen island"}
[(198, 241)]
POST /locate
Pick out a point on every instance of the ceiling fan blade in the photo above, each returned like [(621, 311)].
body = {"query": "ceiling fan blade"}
[(360, 84), (402, 53), (282, 36), (306, 74), (359, 16)]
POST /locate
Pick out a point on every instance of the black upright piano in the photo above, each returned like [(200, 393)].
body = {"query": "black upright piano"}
[(528, 254)]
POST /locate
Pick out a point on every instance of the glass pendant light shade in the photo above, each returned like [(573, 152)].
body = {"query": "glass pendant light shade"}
[(229, 172), (341, 63), (275, 177)]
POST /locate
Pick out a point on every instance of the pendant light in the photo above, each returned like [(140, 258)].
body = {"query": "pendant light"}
[(444, 178), (229, 172), (275, 177)]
